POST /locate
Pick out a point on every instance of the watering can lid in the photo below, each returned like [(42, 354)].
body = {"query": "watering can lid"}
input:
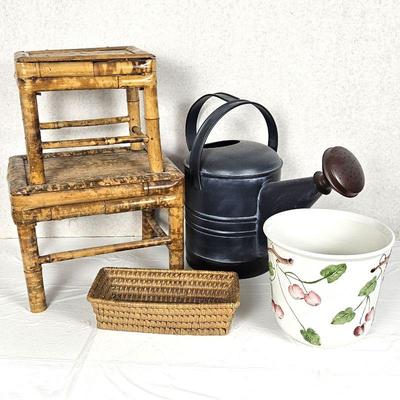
[(238, 159)]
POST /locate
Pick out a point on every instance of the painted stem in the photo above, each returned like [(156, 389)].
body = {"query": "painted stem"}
[(306, 282), (288, 279), (365, 307), (380, 273), (362, 301), (296, 277)]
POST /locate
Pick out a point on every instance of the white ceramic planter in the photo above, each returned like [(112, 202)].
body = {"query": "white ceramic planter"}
[(326, 269)]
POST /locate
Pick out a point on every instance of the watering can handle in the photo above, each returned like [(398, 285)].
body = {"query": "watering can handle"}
[(193, 114), (211, 121)]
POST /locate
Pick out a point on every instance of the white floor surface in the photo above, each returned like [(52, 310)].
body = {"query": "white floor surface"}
[(60, 354)]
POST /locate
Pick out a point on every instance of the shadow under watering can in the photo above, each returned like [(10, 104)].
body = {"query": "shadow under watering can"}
[(233, 186)]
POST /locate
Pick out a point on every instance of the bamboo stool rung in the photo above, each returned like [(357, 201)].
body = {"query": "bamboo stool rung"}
[(156, 228), (84, 122), (97, 250), (61, 144)]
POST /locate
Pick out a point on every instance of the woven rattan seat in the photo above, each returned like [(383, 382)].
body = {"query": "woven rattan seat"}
[(86, 169)]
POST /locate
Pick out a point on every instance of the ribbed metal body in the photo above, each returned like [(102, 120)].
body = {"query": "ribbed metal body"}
[(222, 219), (223, 181)]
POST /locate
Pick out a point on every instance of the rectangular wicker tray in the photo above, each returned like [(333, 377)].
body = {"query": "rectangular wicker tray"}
[(165, 301)]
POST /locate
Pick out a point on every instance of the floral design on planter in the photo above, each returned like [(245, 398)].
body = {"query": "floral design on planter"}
[(299, 291), (296, 291), (347, 315), (277, 309)]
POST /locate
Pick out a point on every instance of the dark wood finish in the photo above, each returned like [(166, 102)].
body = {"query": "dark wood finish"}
[(342, 171)]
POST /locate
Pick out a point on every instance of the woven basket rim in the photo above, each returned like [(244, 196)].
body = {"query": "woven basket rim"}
[(93, 299), (170, 271)]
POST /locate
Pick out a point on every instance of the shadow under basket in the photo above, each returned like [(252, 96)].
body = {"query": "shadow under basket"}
[(165, 301)]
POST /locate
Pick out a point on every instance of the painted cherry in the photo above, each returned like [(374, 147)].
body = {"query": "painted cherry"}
[(278, 311), (296, 292), (358, 330), (312, 298), (369, 316)]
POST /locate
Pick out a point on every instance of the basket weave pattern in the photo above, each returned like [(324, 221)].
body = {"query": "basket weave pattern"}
[(165, 301)]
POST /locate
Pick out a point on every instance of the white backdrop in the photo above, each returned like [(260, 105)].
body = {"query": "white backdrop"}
[(327, 70)]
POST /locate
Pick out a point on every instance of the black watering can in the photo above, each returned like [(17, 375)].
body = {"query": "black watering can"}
[(233, 186)]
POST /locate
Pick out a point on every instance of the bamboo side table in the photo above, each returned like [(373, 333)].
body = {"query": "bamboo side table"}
[(68, 184)]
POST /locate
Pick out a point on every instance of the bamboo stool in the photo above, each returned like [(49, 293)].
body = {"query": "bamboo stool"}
[(68, 184)]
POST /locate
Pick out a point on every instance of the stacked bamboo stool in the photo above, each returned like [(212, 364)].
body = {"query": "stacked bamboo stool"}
[(74, 183)]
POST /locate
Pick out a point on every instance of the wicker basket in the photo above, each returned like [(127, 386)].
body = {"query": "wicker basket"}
[(165, 301)]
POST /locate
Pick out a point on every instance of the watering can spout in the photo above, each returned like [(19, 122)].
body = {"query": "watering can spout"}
[(281, 196), (341, 171)]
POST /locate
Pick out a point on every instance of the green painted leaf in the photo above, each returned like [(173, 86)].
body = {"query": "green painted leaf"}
[(271, 269), (344, 316), (368, 288), (333, 272), (311, 336)]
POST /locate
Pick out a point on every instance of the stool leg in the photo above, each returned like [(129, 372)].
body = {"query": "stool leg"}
[(132, 97), (175, 215), (30, 116), (153, 128), (147, 231), (32, 268)]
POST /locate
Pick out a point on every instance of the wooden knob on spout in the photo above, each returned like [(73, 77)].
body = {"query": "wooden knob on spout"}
[(341, 171)]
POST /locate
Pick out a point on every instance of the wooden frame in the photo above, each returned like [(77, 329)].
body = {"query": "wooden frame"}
[(144, 192), (88, 69), (55, 186), (153, 235)]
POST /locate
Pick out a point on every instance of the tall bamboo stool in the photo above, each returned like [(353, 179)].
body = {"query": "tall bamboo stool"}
[(66, 184)]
